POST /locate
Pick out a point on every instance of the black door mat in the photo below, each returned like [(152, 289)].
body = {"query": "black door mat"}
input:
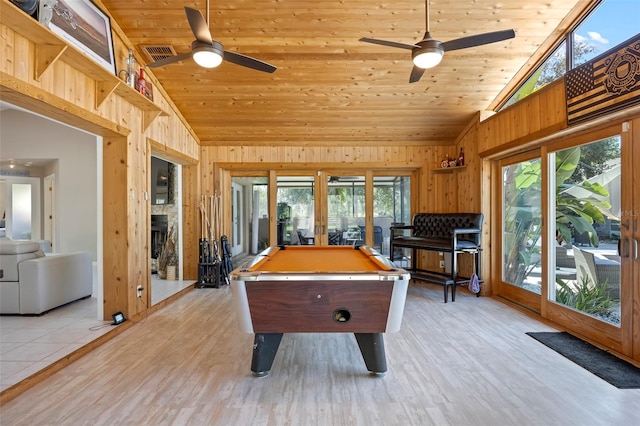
[(603, 364)]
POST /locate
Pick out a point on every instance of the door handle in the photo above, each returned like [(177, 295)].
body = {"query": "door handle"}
[(623, 248), (635, 249)]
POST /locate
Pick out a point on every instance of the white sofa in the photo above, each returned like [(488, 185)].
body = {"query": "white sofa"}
[(32, 283)]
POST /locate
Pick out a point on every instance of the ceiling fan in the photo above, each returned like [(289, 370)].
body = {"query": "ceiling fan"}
[(206, 51), (428, 52)]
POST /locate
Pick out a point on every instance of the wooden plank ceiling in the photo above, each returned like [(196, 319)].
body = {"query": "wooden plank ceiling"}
[(330, 88)]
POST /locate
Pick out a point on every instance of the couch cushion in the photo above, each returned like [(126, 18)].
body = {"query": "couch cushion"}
[(18, 247), (12, 253)]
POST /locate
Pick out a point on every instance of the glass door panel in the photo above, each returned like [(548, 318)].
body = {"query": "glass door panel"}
[(346, 210), (249, 214), (259, 213), (522, 225), (391, 205), (587, 208), (295, 210)]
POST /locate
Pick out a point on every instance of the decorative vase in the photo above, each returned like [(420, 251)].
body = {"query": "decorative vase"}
[(171, 272)]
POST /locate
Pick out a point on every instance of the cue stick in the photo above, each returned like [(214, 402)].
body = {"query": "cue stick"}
[(212, 225), (215, 219), (203, 215)]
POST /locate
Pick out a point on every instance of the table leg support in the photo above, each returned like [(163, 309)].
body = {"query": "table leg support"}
[(265, 347), (372, 349)]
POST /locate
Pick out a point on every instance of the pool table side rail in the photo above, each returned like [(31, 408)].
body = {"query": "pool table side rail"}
[(244, 275), (394, 314)]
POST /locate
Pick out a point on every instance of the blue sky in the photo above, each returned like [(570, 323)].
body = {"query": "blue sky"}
[(612, 23)]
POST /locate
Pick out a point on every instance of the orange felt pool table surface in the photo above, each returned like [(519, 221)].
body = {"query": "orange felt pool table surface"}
[(319, 259)]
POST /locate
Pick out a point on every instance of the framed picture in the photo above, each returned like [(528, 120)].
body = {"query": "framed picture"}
[(83, 25)]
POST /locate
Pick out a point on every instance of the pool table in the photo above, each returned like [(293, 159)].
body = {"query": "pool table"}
[(319, 289)]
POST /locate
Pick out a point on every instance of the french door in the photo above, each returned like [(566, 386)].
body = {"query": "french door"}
[(318, 207), (336, 207), (569, 234)]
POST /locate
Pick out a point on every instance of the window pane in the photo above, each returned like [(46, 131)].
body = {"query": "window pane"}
[(346, 209), (390, 195), (21, 211), (552, 69), (521, 216), (587, 226), (295, 207), (611, 23)]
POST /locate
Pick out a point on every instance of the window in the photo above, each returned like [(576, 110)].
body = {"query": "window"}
[(587, 210), (610, 23), (295, 207), (522, 224), (391, 205)]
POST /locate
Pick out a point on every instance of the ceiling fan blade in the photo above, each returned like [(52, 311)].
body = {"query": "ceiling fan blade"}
[(478, 40), (388, 43), (247, 61), (416, 74), (198, 25), (169, 60)]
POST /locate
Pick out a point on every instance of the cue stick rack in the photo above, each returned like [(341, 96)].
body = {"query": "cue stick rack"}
[(210, 264)]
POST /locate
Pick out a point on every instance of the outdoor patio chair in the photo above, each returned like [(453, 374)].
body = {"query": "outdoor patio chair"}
[(598, 270), (563, 260), (334, 238)]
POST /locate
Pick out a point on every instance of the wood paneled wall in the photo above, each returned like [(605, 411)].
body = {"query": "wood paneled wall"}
[(470, 196), (522, 124), (67, 92), (436, 193)]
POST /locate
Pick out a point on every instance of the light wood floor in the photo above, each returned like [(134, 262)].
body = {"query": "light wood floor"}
[(463, 363)]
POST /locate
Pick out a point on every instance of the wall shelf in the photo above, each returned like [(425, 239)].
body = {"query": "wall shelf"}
[(448, 169), (49, 48)]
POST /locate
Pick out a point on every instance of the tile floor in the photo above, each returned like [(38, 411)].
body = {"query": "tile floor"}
[(31, 343)]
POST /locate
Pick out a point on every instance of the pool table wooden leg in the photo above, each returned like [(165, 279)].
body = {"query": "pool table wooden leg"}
[(372, 349), (265, 347)]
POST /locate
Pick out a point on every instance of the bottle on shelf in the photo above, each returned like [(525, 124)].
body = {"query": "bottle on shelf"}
[(131, 69), (142, 83), (461, 158)]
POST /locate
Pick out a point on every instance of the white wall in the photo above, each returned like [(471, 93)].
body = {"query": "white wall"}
[(28, 136)]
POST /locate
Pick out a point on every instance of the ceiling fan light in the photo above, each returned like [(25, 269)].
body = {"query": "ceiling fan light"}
[(428, 57), (207, 58)]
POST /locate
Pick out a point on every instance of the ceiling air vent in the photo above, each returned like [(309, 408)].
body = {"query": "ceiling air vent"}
[(157, 52)]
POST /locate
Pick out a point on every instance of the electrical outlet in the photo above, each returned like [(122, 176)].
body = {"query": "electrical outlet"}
[(139, 291), (442, 264)]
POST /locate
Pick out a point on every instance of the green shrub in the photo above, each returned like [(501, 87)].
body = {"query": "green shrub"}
[(587, 298)]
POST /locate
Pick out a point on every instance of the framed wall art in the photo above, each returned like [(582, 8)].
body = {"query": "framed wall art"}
[(83, 25)]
